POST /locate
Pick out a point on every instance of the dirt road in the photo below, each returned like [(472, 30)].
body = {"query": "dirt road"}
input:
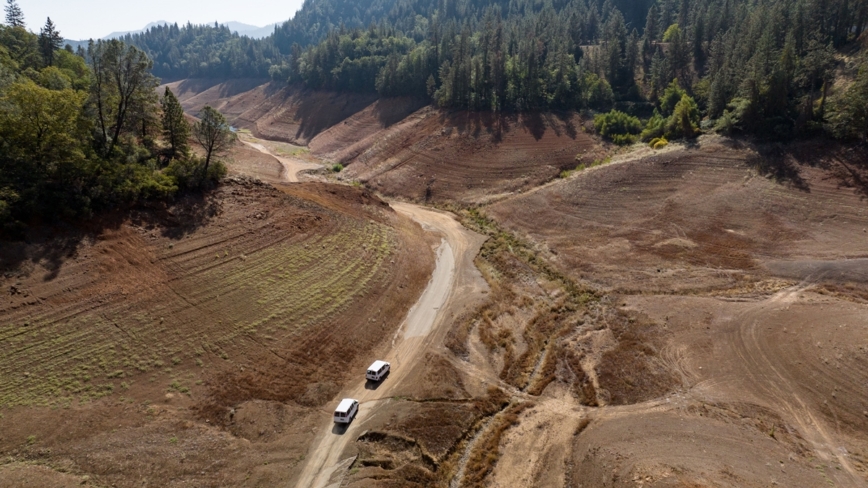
[(291, 166), (454, 280)]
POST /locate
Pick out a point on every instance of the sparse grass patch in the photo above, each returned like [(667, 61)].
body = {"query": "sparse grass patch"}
[(306, 282), (486, 452)]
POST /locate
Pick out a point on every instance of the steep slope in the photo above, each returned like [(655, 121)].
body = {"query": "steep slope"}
[(270, 110), (438, 156)]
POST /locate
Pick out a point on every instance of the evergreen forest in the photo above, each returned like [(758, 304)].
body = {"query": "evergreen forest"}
[(759, 67), (765, 68)]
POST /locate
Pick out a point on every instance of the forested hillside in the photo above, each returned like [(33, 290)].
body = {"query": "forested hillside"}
[(773, 68), (204, 51), (86, 133), (766, 67)]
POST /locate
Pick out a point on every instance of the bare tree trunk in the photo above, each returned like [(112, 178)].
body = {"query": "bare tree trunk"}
[(822, 113)]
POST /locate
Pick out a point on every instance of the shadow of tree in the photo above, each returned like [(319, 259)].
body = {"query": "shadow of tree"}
[(390, 111), (850, 166), (497, 124), (780, 163), (318, 112), (50, 245), (534, 123)]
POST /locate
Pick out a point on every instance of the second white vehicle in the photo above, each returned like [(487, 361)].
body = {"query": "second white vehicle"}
[(378, 370)]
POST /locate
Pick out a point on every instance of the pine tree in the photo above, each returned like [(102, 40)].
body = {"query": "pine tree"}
[(14, 15), (683, 14), (651, 29), (176, 130), (50, 41)]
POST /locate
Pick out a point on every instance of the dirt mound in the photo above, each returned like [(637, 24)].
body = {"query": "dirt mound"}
[(684, 447), (438, 156), (245, 160), (249, 294)]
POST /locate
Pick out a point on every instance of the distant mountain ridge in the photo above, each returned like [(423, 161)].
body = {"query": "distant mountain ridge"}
[(116, 35), (242, 29)]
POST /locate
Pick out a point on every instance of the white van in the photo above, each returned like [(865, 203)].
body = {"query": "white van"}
[(346, 411), (378, 370)]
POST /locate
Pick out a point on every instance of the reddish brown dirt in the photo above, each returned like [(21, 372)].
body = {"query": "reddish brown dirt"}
[(194, 94), (245, 160), (399, 148), (274, 111), (345, 141), (691, 219), (740, 271), (128, 344), (435, 156)]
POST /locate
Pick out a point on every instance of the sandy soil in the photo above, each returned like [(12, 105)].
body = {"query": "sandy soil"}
[(747, 263), (292, 166)]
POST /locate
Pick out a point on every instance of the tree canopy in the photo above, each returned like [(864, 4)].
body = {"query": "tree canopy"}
[(79, 136), (766, 67)]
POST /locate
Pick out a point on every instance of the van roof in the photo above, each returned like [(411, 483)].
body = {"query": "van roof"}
[(345, 405), (377, 365)]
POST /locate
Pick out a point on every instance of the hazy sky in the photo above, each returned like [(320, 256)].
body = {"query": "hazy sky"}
[(84, 19)]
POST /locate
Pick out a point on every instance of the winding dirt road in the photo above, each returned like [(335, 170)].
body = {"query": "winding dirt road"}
[(454, 281), (291, 167)]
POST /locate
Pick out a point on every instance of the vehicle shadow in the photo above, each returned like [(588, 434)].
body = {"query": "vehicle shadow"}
[(340, 429), (375, 385)]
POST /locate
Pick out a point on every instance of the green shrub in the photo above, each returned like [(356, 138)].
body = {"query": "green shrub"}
[(681, 121), (670, 98), (597, 92), (726, 123), (655, 128), (849, 112), (623, 139), (187, 172), (618, 127), (671, 33), (337, 168)]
